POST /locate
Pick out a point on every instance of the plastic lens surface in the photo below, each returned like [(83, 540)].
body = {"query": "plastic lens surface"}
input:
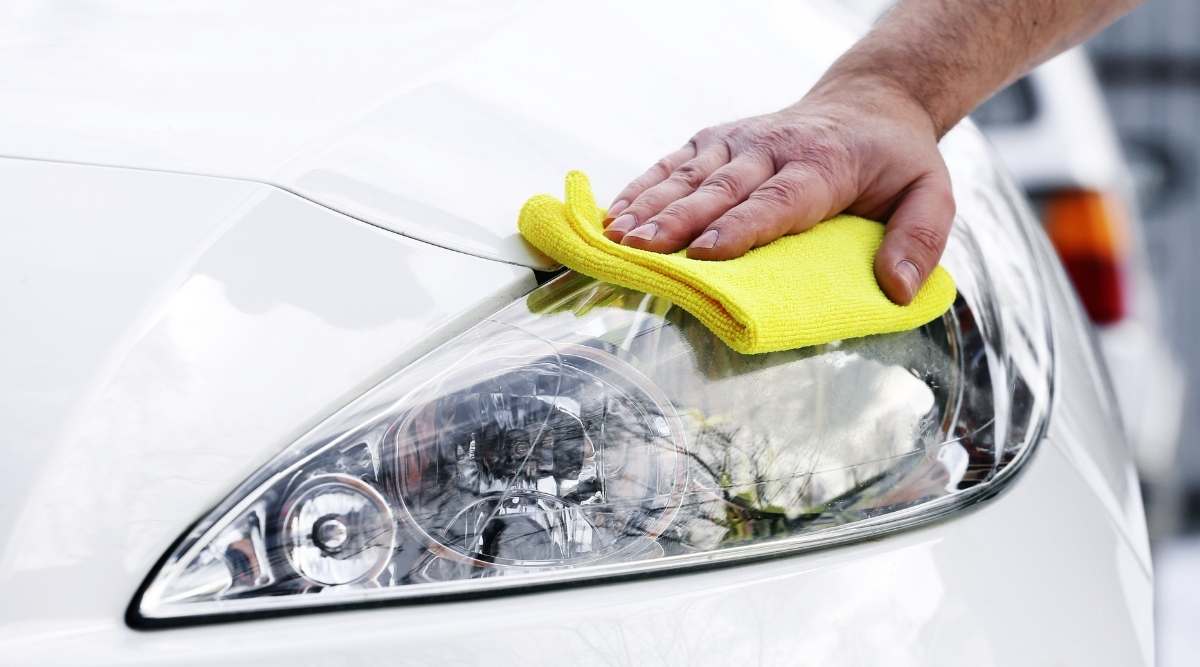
[(337, 530), (533, 461), (590, 431)]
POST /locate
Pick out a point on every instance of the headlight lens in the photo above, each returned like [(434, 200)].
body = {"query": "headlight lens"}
[(591, 431)]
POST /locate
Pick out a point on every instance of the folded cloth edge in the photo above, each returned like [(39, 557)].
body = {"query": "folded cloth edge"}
[(578, 246)]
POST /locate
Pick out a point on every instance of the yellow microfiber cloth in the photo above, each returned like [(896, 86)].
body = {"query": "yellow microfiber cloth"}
[(800, 290)]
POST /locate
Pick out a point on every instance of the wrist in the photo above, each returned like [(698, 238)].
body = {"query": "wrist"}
[(873, 92)]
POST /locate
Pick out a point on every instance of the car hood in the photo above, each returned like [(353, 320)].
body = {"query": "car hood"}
[(162, 336), (434, 121)]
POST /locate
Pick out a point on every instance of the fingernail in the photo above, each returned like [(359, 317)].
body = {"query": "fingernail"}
[(616, 208), (622, 224), (909, 274), (646, 232), (706, 240)]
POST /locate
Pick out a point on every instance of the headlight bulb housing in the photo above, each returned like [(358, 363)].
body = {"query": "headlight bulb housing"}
[(590, 432), (337, 530)]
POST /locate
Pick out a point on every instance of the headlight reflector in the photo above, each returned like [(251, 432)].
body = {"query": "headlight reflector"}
[(531, 460), (337, 531)]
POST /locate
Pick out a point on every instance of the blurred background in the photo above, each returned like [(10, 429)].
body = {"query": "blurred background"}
[(1105, 140)]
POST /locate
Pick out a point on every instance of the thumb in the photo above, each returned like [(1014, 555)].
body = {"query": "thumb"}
[(915, 238)]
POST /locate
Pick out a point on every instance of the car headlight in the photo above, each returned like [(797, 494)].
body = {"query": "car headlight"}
[(589, 432)]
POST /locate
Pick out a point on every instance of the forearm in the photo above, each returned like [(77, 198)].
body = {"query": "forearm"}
[(863, 141), (950, 55)]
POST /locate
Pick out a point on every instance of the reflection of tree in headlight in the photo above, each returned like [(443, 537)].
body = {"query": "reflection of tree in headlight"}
[(551, 463)]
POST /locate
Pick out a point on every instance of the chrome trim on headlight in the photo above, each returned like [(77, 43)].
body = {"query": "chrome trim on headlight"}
[(590, 432)]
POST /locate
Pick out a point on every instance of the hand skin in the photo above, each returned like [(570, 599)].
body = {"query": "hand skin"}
[(863, 140)]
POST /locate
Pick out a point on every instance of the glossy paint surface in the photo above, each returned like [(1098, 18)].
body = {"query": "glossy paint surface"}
[(165, 334), (1070, 142), (436, 121), (972, 589), (1096, 442), (220, 375)]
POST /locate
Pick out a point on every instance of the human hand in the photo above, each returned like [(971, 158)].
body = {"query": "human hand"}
[(859, 146)]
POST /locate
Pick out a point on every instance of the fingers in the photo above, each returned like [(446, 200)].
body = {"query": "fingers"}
[(681, 183), (680, 221), (793, 200), (653, 176), (916, 236)]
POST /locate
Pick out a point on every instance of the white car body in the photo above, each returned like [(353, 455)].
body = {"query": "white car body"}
[(1071, 142), (221, 223)]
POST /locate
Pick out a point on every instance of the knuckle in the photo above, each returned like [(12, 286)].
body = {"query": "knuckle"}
[(925, 239), (823, 155), (689, 174), (724, 186), (715, 139), (649, 204), (823, 158), (706, 136), (662, 169), (645, 182), (779, 193), (677, 210), (945, 200), (778, 136), (682, 215)]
